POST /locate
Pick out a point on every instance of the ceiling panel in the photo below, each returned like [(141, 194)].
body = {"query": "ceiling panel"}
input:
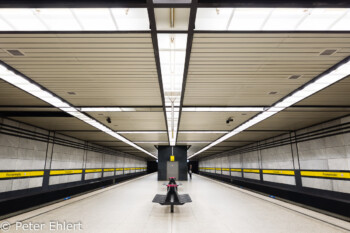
[(103, 139), (213, 120), (195, 148), (12, 96), (197, 137), (195, 144), (150, 147), (241, 69), (132, 120), (146, 137), (55, 123), (101, 69), (226, 69)]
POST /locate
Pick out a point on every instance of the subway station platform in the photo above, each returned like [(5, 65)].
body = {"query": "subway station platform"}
[(216, 207), (98, 96)]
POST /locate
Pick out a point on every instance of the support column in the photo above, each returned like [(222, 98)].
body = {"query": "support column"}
[(180, 157), (48, 160)]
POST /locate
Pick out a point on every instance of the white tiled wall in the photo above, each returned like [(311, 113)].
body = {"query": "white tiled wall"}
[(21, 153), (25, 154), (329, 153)]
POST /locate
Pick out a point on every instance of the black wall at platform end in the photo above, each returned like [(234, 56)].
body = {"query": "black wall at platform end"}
[(164, 153), (195, 168), (152, 166)]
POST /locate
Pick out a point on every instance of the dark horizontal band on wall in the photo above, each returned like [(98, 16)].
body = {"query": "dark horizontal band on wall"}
[(332, 174), (34, 114)]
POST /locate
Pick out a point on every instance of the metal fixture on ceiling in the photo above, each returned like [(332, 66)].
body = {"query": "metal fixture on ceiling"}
[(172, 17), (229, 120), (328, 52), (294, 76), (15, 52), (109, 121)]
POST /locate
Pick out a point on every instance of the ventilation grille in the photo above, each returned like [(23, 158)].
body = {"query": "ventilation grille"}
[(328, 52), (294, 76), (15, 52)]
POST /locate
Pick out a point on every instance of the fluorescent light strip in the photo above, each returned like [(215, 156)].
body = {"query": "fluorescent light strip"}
[(172, 53), (141, 132), (120, 109), (319, 84), (74, 19), (222, 109), (193, 142), (151, 142), (102, 109), (201, 142), (205, 132), (273, 19), (33, 89)]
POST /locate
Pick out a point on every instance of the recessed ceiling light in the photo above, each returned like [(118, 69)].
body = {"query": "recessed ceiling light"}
[(15, 52), (294, 76), (273, 93), (328, 52)]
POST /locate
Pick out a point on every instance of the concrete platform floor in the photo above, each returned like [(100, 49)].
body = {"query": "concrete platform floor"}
[(216, 207)]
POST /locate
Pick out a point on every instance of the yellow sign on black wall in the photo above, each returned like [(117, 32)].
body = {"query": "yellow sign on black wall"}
[(172, 158)]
